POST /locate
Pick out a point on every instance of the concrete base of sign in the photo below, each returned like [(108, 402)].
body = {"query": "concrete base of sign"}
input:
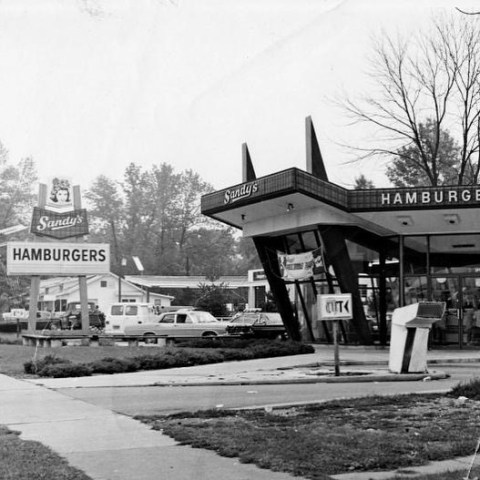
[(133, 341), (53, 341)]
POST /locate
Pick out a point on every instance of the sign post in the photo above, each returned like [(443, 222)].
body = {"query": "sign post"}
[(335, 307)]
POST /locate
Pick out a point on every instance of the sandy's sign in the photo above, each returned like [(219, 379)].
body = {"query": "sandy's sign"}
[(59, 225), (59, 195), (56, 215), (32, 258)]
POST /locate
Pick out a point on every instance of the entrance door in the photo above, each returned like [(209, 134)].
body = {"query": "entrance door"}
[(461, 294)]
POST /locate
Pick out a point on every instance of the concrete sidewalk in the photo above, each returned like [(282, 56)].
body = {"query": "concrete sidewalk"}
[(110, 446)]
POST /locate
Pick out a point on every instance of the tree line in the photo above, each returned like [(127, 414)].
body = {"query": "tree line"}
[(153, 214)]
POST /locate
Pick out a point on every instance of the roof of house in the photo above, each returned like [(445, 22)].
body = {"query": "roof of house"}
[(70, 284), (188, 281)]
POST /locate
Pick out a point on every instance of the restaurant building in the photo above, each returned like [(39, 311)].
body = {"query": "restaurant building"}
[(388, 247)]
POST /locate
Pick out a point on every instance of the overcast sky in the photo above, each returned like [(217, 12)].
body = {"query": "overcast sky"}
[(88, 86)]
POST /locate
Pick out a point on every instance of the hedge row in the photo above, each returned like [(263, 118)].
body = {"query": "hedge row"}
[(170, 357)]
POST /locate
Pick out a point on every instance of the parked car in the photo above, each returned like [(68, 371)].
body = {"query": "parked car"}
[(121, 315), (257, 325), (182, 323), (72, 317)]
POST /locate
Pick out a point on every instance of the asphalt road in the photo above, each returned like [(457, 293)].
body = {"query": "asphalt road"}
[(170, 399)]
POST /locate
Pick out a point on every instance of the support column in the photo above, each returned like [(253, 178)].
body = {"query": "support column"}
[(32, 311), (401, 275), (82, 284), (336, 249), (382, 294), (267, 251)]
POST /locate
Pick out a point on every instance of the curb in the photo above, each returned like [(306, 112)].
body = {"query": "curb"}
[(404, 377)]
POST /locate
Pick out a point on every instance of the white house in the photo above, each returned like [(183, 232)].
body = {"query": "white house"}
[(103, 290)]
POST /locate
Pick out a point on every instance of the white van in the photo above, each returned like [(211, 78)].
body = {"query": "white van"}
[(119, 315)]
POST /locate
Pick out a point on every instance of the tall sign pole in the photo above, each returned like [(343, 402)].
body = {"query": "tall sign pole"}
[(335, 307), (35, 281)]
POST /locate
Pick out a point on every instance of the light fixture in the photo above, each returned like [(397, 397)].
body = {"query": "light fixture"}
[(290, 207), (405, 220), (452, 219), (243, 217)]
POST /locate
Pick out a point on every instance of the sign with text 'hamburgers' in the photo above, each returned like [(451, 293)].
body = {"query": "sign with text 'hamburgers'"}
[(59, 225), (35, 258)]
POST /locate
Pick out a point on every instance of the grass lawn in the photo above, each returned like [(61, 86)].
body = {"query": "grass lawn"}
[(366, 434), (12, 357), (28, 460)]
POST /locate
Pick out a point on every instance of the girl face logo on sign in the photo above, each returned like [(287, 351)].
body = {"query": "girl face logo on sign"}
[(60, 195)]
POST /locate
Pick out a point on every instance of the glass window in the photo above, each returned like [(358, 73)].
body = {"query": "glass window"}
[(167, 318), (415, 254), (293, 244), (116, 310), (103, 283), (415, 289), (309, 241), (181, 318), (131, 310)]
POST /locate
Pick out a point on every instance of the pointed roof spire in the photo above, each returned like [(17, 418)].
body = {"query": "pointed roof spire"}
[(315, 164), (248, 172)]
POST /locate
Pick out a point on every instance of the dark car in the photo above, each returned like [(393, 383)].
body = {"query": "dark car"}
[(72, 317), (257, 325)]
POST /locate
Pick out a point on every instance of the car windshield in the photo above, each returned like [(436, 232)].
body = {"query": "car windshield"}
[(202, 317), (258, 319), (272, 319), (245, 318)]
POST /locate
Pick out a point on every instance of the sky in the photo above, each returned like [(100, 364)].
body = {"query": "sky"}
[(89, 86)]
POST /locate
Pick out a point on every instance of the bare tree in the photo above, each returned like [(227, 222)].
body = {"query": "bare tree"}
[(433, 76)]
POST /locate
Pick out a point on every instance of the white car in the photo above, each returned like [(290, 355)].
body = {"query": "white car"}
[(182, 323)]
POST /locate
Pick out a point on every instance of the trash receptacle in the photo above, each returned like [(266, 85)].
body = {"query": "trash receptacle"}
[(409, 336)]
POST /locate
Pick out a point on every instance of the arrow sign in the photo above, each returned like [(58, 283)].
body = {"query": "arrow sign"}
[(335, 306)]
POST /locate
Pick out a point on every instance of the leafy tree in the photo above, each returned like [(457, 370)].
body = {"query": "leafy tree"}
[(407, 168), (107, 208), (213, 299), (17, 198), (155, 215), (247, 256), (426, 86), (210, 252), (362, 183)]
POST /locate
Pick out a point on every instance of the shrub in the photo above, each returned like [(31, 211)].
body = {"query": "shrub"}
[(469, 389), (62, 370), (35, 366), (110, 365), (171, 357)]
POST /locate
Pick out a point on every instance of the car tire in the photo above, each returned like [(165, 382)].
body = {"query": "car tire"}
[(149, 338)]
